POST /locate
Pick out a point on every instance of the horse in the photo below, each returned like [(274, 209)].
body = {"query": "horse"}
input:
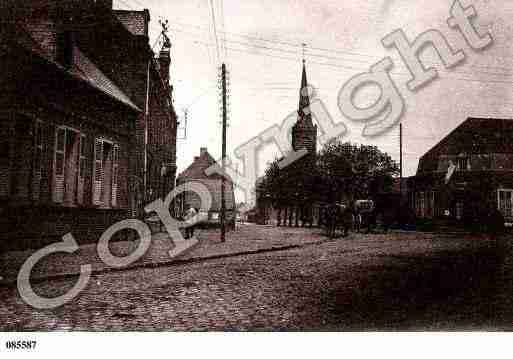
[(365, 214), (337, 216)]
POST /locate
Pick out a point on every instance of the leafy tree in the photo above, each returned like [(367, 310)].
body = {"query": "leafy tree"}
[(353, 171), (342, 172)]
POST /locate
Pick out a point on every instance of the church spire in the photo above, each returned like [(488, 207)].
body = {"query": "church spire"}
[(304, 132), (304, 98)]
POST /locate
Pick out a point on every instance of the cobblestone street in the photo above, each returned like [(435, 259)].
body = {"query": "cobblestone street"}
[(399, 281)]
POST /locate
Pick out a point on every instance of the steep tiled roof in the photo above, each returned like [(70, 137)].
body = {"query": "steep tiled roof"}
[(18, 35), (197, 170), (478, 135), (473, 136), (82, 68)]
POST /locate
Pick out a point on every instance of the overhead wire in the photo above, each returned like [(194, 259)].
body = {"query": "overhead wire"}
[(214, 24)]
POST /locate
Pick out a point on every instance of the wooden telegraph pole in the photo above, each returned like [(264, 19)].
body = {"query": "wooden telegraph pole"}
[(223, 179), (401, 160)]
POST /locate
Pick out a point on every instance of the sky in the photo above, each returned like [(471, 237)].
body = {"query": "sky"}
[(260, 41)]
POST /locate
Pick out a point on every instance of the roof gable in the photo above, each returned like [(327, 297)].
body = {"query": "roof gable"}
[(473, 136), (477, 135), (198, 168)]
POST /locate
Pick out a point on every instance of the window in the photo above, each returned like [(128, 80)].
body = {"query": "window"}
[(505, 202), (4, 146), (463, 163), (38, 160), (98, 171), (82, 170), (67, 187), (115, 175), (5, 157), (106, 173), (421, 204), (459, 210), (430, 203)]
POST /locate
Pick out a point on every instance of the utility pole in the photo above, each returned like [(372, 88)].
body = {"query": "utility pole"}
[(401, 160), (223, 179), (146, 122)]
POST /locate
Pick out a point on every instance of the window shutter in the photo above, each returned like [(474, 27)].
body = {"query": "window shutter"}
[(81, 170), (60, 145), (38, 160), (98, 172), (115, 173)]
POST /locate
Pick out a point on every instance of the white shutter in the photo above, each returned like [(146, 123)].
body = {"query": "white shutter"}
[(98, 172), (115, 174), (59, 165), (81, 169), (38, 160)]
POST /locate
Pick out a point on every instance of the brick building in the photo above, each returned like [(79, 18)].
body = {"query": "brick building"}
[(468, 171), (156, 127), (196, 172), (75, 113)]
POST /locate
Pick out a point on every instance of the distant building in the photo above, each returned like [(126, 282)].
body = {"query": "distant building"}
[(466, 173), (196, 172), (304, 132), (304, 138), (147, 80)]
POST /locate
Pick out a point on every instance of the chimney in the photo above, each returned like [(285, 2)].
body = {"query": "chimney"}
[(147, 19), (203, 151)]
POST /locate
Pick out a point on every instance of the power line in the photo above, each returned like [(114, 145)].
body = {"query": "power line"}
[(298, 45), (223, 28), (352, 60), (215, 30), (290, 44), (356, 68)]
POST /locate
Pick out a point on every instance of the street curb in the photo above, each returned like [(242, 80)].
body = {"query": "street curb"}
[(176, 262)]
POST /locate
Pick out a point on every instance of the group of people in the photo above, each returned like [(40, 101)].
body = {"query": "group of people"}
[(361, 215), (358, 215)]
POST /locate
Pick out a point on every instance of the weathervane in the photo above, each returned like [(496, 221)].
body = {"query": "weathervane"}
[(166, 42)]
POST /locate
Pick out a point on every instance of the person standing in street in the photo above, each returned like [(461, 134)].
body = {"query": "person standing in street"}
[(190, 217)]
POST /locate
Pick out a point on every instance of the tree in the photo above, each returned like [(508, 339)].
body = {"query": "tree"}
[(350, 172), (341, 172)]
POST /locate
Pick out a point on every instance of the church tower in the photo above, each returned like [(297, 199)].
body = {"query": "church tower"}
[(304, 132)]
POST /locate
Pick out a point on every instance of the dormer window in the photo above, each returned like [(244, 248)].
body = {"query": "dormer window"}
[(65, 43)]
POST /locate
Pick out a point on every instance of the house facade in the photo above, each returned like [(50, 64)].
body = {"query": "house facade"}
[(75, 84), (196, 172), (467, 173), (146, 78)]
